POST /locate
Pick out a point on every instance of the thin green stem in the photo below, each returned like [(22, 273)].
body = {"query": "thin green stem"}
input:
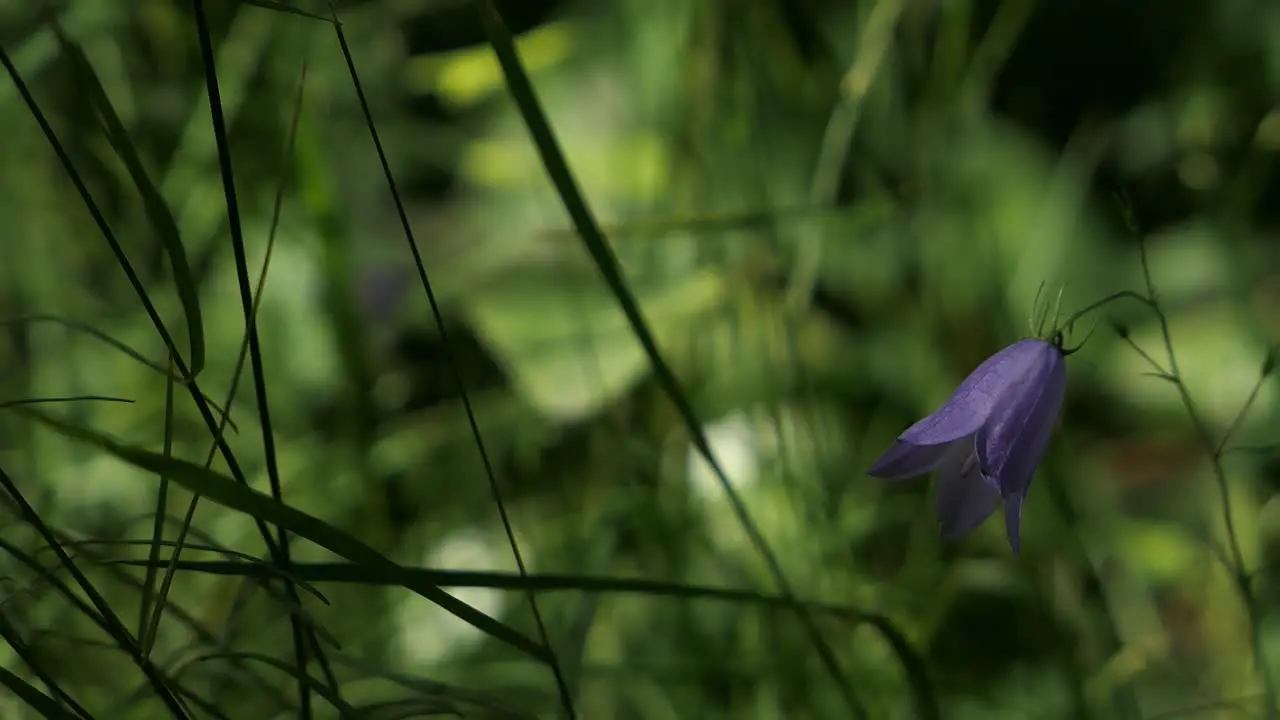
[(1239, 570)]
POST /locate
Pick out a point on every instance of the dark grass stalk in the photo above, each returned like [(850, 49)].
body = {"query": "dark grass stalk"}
[(89, 550), (161, 220), (562, 685), (912, 661), (224, 491), (80, 327), (282, 7), (41, 703), (304, 640), (63, 400), (271, 571), (13, 638), (433, 688), (122, 259), (184, 372), (1241, 577), (282, 516), (101, 611), (441, 700), (557, 168), (924, 695), (313, 685), (185, 526), (146, 629)]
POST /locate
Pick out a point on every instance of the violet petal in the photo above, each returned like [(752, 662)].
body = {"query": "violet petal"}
[(1013, 520), (965, 497), (1018, 432), (904, 460), (972, 404)]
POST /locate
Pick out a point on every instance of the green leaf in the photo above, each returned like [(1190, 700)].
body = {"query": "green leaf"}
[(568, 346), (228, 493)]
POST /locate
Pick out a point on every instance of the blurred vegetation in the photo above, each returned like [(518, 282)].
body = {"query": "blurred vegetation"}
[(828, 213)]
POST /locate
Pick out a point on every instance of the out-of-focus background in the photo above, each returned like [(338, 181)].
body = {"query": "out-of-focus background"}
[(829, 212)]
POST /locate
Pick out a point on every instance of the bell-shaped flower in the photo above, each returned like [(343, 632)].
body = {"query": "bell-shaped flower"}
[(987, 439)]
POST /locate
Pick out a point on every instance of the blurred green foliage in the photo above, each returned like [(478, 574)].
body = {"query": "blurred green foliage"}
[(829, 212)]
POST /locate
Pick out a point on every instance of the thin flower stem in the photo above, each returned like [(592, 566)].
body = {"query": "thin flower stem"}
[(1221, 448), (1123, 294), (1240, 573), (1268, 450), (1160, 372)]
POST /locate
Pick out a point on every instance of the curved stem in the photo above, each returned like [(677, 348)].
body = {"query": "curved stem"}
[(1123, 294)]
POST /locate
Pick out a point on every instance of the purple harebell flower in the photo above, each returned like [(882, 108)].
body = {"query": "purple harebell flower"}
[(987, 439)]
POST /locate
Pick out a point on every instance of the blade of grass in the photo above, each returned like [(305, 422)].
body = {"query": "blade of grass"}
[(246, 44), (557, 168), (280, 7), (126, 709), (13, 637), (913, 663), (95, 212), (302, 644), (271, 572), (38, 701), (122, 259), (225, 552), (61, 400), (414, 708), (185, 524), (433, 688), (157, 212), (548, 654), (147, 632), (104, 615), (177, 613), (123, 347), (224, 491), (314, 685)]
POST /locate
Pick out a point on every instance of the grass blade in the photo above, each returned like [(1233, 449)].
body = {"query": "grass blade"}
[(13, 637), (311, 683), (76, 326), (230, 494), (913, 663), (301, 635), (157, 211), (562, 685), (38, 701), (104, 615), (280, 7), (597, 246)]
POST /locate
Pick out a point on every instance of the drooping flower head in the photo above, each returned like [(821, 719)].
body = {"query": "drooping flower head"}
[(987, 439)]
